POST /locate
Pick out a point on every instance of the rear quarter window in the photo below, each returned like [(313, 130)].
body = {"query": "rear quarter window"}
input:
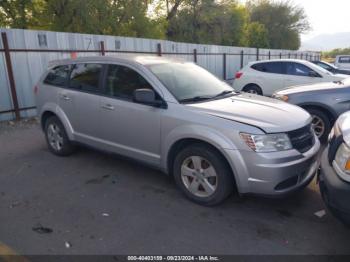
[(58, 76)]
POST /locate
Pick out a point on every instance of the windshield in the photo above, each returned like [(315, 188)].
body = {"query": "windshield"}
[(319, 68), (189, 82), (329, 64)]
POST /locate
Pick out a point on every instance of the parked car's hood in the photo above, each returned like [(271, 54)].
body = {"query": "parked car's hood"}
[(340, 76), (268, 114), (313, 87)]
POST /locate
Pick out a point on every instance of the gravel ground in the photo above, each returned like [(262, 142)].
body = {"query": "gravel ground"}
[(98, 203)]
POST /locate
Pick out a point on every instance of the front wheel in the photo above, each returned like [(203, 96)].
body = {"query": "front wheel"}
[(203, 175), (321, 124)]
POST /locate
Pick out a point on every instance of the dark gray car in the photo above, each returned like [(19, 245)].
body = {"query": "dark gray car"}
[(331, 68), (324, 101)]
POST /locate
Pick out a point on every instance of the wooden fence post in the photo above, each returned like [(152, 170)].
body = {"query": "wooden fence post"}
[(242, 58), (195, 55)]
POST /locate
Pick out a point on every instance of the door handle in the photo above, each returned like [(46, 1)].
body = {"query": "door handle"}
[(65, 97), (108, 107)]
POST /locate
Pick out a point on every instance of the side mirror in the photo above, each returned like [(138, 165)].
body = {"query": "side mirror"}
[(147, 97), (313, 74)]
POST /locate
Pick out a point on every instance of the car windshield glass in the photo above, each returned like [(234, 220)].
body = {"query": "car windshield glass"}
[(318, 67), (189, 82), (328, 64)]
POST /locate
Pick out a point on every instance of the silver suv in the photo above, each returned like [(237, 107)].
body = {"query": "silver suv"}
[(181, 119)]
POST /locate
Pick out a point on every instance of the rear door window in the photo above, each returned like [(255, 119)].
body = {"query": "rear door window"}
[(86, 77), (270, 67), (58, 76)]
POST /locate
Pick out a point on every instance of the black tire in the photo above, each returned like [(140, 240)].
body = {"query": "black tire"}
[(67, 147), (326, 122), (224, 182), (342, 217), (253, 89)]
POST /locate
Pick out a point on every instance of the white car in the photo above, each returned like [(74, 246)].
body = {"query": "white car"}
[(265, 77), (342, 61)]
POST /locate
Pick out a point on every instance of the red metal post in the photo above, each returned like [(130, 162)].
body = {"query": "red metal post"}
[(10, 75)]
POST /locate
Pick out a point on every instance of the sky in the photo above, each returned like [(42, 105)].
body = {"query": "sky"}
[(326, 16)]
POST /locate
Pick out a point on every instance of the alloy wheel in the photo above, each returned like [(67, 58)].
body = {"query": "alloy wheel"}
[(318, 125), (199, 176), (55, 137)]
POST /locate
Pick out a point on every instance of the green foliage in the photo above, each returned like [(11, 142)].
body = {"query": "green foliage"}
[(208, 22), (256, 35), (259, 23), (20, 13), (338, 51), (284, 21)]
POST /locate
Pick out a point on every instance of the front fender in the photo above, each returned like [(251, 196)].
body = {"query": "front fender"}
[(203, 133)]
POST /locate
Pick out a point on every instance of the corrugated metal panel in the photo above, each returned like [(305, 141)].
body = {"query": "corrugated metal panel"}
[(29, 66)]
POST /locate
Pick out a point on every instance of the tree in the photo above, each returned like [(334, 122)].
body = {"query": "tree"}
[(123, 17), (208, 22), (256, 35), (259, 23), (283, 20), (19, 13)]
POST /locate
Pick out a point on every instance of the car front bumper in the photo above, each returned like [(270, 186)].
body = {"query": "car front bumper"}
[(334, 190), (273, 174)]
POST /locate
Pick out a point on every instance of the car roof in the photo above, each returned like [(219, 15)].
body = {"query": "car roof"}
[(280, 60), (129, 58)]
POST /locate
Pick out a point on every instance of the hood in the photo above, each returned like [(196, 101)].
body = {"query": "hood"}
[(340, 76), (324, 86), (309, 88), (270, 115)]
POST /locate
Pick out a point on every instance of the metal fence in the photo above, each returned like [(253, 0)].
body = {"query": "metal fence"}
[(25, 54)]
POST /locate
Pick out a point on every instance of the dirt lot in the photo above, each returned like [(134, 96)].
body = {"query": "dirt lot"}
[(97, 203)]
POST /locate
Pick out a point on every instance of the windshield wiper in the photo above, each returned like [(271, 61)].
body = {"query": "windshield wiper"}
[(195, 99), (226, 92)]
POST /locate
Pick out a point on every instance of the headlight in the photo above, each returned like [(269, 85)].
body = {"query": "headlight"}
[(281, 97), (268, 142), (341, 162)]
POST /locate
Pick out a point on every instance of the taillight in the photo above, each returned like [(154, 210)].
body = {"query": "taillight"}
[(238, 75), (36, 89)]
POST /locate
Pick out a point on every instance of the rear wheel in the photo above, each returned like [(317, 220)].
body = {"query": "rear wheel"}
[(321, 124), (56, 137), (253, 89), (203, 175)]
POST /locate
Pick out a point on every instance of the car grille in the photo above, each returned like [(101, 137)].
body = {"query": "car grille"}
[(302, 139)]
